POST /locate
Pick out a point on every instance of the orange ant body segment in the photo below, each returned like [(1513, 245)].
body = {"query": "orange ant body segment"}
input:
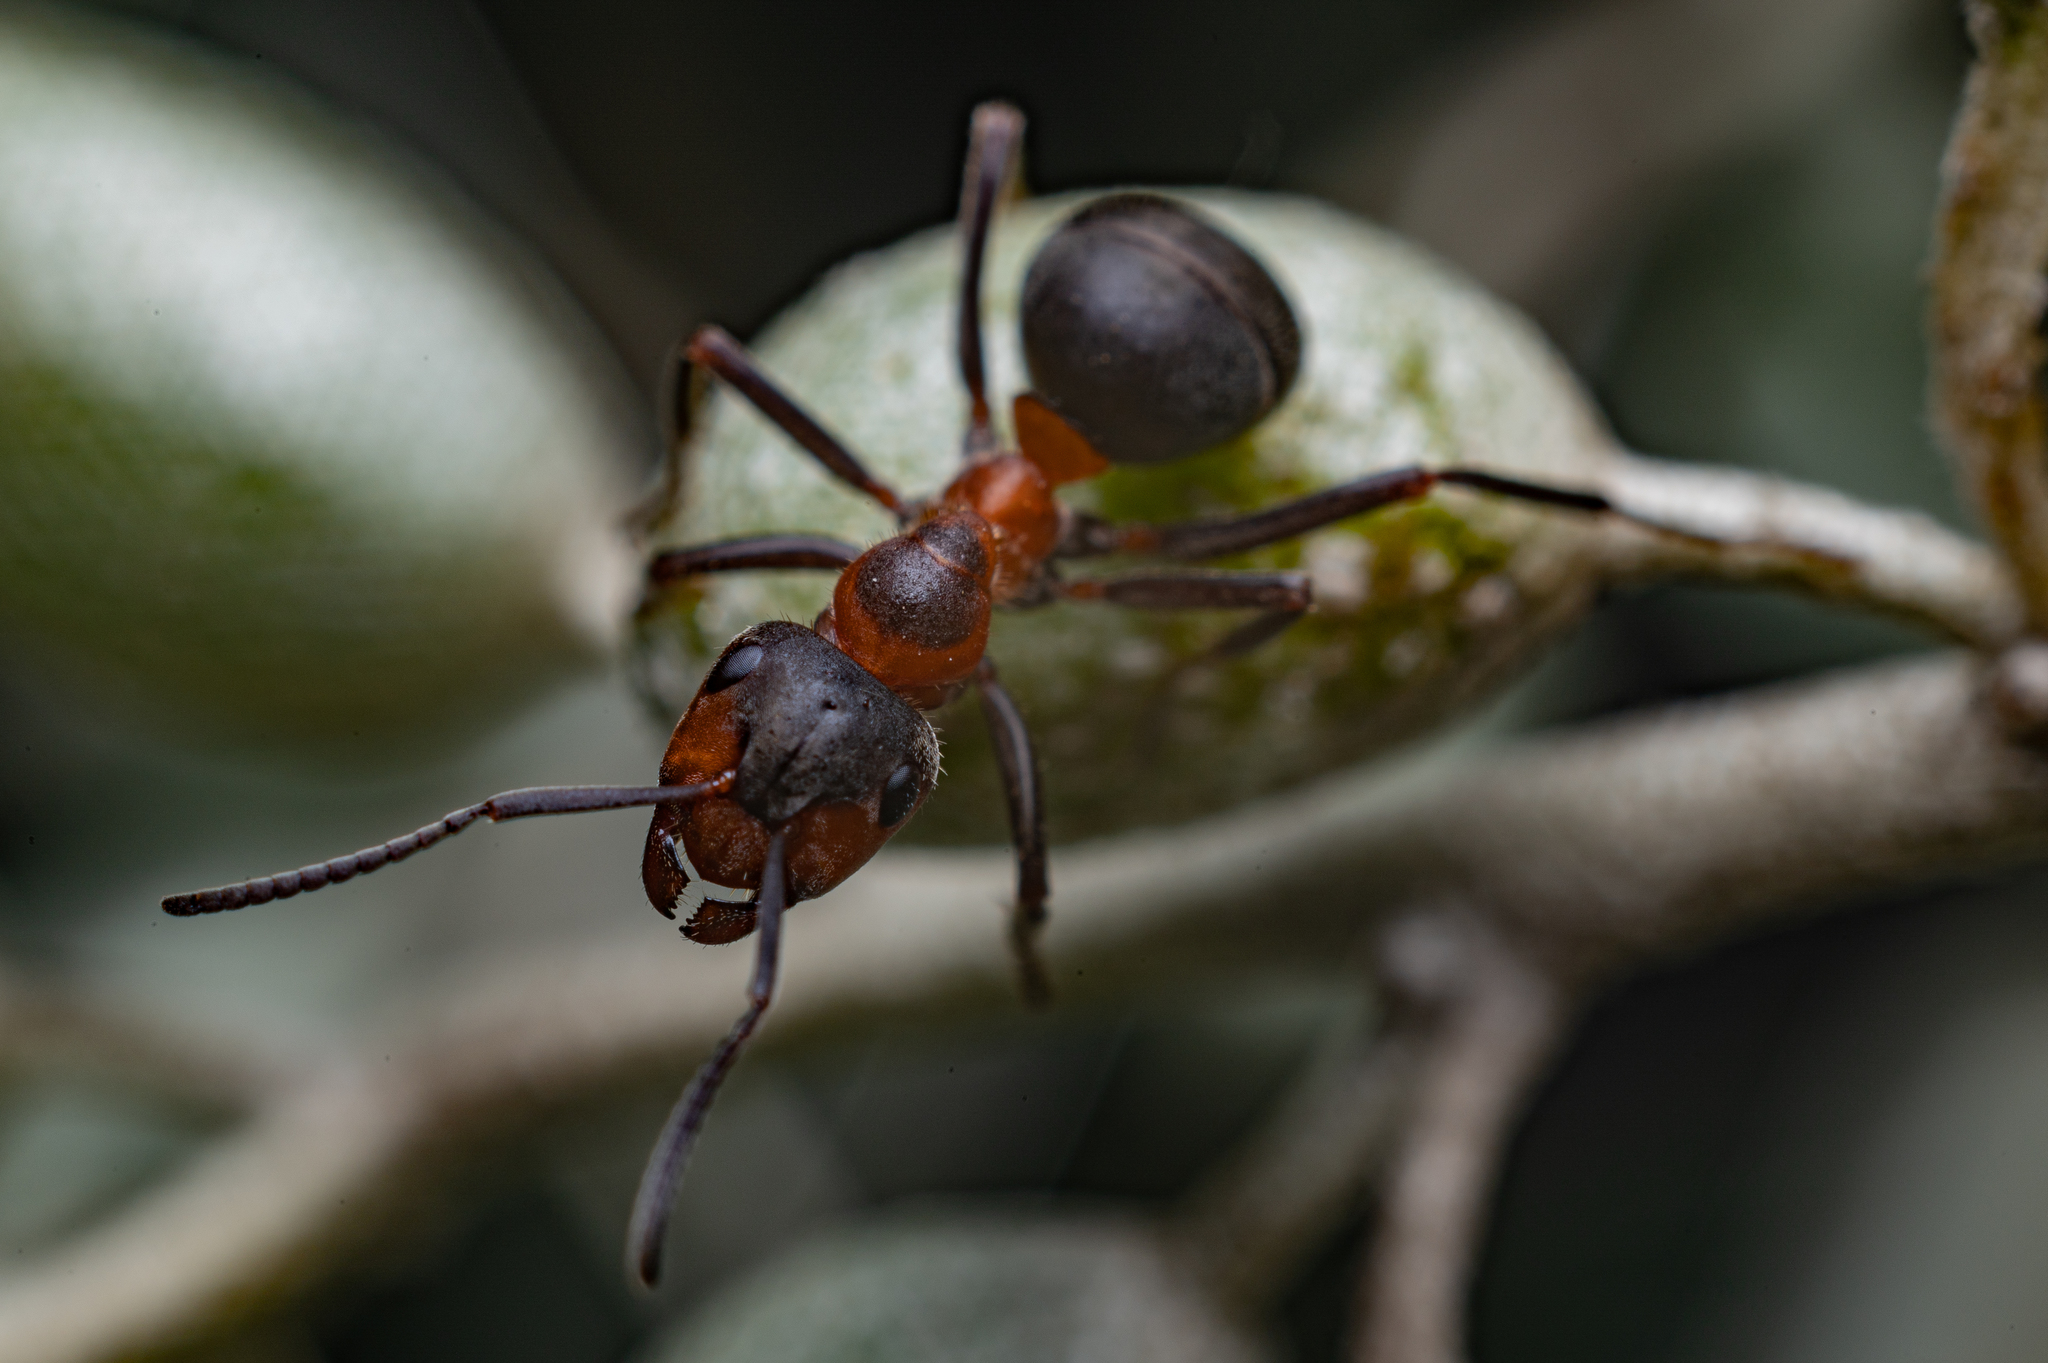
[(1150, 334)]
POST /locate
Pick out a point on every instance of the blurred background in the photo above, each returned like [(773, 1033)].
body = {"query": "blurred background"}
[(1823, 1145)]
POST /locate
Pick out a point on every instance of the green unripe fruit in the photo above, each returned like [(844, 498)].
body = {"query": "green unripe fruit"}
[(295, 445), (1420, 608)]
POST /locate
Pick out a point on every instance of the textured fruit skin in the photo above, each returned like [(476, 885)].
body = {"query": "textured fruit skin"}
[(298, 451), (1423, 609)]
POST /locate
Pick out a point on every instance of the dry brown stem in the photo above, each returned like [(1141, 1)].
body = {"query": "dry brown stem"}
[(1497, 1016), (1254, 1221), (1752, 528), (46, 1028), (1991, 245), (1787, 800)]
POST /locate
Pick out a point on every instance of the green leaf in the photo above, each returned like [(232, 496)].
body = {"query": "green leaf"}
[(988, 1289)]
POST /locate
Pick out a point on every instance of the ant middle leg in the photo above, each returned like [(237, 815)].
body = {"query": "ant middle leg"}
[(1280, 598), (715, 351), (1237, 534), (1196, 591), (666, 571)]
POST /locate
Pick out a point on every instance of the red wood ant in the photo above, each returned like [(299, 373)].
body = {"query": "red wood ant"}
[(1150, 335)]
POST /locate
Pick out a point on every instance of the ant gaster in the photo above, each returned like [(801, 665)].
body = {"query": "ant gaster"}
[(1149, 335)]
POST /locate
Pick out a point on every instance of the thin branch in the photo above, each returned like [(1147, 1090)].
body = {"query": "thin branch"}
[(2016, 690), (1751, 528), (1987, 290), (1252, 1222), (1494, 1029), (48, 1028), (1623, 840)]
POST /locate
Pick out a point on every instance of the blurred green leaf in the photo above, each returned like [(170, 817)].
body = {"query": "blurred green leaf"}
[(295, 446), (990, 1289)]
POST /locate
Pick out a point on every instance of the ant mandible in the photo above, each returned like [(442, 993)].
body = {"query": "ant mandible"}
[(1150, 335)]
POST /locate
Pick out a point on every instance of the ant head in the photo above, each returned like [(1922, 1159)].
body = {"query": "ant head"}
[(818, 727)]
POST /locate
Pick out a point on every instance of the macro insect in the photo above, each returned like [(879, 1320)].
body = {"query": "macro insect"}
[(1149, 335)]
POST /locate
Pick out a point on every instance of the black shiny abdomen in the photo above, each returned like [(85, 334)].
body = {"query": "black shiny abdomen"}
[(1155, 333)]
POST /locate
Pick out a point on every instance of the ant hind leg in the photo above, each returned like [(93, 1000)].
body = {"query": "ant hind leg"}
[(1255, 632), (994, 136), (1238, 534)]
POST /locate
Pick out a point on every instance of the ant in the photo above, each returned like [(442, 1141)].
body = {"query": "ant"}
[(1150, 335)]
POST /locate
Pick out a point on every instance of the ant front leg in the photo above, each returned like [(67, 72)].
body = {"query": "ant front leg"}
[(1280, 599), (666, 570), (1023, 791), (1238, 534), (670, 1157), (994, 136)]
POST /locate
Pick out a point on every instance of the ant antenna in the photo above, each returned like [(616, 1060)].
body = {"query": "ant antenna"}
[(671, 1154), (512, 804)]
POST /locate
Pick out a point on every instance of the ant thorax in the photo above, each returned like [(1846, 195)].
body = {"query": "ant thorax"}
[(914, 610)]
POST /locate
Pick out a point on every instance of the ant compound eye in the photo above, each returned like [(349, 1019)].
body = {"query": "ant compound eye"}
[(733, 667), (899, 795)]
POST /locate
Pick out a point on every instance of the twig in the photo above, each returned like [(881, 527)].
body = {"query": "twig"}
[(46, 1027), (1754, 528), (1991, 245), (1252, 1222), (1498, 1017), (1622, 840)]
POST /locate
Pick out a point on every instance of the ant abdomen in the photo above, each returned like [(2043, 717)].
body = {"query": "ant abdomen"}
[(1153, 331)]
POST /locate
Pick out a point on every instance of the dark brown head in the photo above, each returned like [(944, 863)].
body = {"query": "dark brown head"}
[(817, 726), (1154, 332), (819, 746)]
